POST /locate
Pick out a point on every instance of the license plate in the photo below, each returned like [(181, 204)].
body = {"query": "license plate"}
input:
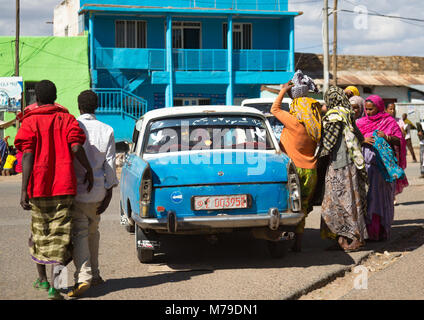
[(238, 201)]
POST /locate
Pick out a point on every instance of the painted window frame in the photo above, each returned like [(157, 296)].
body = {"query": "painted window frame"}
[(183, 99), (29, 92), (180, 25), (240, 25), (136, 35)]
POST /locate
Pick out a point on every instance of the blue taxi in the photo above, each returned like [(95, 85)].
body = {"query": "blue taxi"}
[(206, 170)]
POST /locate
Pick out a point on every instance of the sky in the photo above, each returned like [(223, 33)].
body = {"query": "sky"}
[(357, 34)]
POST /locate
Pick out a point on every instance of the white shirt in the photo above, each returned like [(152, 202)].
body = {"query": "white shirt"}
[(422, 141), (100, 150), (407, 129)]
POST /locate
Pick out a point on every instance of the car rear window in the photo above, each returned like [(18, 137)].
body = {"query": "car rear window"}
[(207, 133)]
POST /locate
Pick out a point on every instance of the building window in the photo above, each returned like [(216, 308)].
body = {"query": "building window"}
[(242, 36), (186, 35), (81, 22), (30, 93), (130, 34), (367, 90), (179, 102)]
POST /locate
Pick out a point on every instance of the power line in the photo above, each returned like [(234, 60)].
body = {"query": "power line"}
[(385, 16)]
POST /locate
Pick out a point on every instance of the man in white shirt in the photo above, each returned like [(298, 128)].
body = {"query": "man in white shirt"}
[(88, 206), (408, 125), (420, 126)]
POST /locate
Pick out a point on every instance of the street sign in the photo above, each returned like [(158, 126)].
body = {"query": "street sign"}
[(11, 93)]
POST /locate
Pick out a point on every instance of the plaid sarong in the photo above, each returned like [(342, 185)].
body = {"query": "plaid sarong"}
[(50, 240)]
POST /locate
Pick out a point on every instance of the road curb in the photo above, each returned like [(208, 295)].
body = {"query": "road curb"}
[(341, 271)]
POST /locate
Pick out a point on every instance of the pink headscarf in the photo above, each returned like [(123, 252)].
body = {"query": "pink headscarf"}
[(384, 122)]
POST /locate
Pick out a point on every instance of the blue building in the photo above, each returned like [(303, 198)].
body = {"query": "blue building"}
[(147, 54)]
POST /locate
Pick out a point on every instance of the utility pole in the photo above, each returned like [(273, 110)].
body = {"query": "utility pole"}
[(17, 39), (335, 44), (325, 43)]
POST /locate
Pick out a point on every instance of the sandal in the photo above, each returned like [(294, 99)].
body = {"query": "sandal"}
[(354, 248), (54, 294), (342, 243), (79, 289), (45, 285)]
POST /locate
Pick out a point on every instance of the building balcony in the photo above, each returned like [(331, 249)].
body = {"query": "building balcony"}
[(193, 60)]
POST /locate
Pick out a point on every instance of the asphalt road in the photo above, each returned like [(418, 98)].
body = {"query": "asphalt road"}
[(404, 280), (237, 267)]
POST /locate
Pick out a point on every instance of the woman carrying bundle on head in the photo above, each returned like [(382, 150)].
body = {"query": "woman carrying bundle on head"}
[(300, 137)]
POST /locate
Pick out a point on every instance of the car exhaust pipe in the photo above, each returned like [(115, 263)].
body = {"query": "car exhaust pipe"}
[(172, 222)]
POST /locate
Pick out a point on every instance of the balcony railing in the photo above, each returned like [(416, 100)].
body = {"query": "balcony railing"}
[(119, 101), (193, 59)]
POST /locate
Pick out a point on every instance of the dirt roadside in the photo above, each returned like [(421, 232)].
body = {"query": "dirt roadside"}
[(379, 260)]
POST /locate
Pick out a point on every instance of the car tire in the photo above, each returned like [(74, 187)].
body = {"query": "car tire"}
[(128, 226), (278, 249), (143, 255)]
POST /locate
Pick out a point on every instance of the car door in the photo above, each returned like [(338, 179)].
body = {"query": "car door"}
[(131, 175)]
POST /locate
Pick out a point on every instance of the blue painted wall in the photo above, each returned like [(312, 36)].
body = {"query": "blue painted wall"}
[(267, 34), (220, 4)]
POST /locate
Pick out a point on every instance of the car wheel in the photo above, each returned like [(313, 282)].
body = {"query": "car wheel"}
[(130, 228), (278, 249), (125, 221), (144, 255)]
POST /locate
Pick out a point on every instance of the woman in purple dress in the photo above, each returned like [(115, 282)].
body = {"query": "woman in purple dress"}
[(380, 207)]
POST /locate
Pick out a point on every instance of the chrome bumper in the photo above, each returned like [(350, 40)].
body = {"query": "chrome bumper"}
[(274, 219)]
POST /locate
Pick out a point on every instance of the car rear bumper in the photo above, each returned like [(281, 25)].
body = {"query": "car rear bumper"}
[(273, 219)]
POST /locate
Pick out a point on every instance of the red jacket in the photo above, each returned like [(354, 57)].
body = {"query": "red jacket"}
[(49, 132)]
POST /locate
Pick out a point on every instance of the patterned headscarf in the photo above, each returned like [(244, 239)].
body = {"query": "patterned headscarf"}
[(335, 97), (305, 109), (302, 85), (339, 120), (308, 112)]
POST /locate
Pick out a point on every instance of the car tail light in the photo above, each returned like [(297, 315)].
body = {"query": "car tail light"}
[(145, 192), (294, 188)]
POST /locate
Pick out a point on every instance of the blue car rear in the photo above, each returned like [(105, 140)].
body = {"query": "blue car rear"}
[(243, 185)]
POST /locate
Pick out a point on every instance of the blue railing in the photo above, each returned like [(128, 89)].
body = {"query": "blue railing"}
[(193, 59), (200, 60), (119, 101), (261, 60)]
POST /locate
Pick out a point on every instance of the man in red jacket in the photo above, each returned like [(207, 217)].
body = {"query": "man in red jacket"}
[(49, 138)]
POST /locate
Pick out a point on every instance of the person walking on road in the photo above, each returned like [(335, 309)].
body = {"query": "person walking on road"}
[(400, 183), (49, 138), (299, 139), (380, 197), (89, 205), (344, 204), (407, 127), (420, 131)]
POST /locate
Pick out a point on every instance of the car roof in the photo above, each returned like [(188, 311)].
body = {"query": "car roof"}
[(198, 110), (264, 100), (271, 100)]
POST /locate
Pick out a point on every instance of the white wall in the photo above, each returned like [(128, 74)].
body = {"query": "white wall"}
[(66, 16), (415, 112), (399, 93)]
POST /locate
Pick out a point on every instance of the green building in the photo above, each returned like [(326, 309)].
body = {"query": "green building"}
[(63, 60)]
